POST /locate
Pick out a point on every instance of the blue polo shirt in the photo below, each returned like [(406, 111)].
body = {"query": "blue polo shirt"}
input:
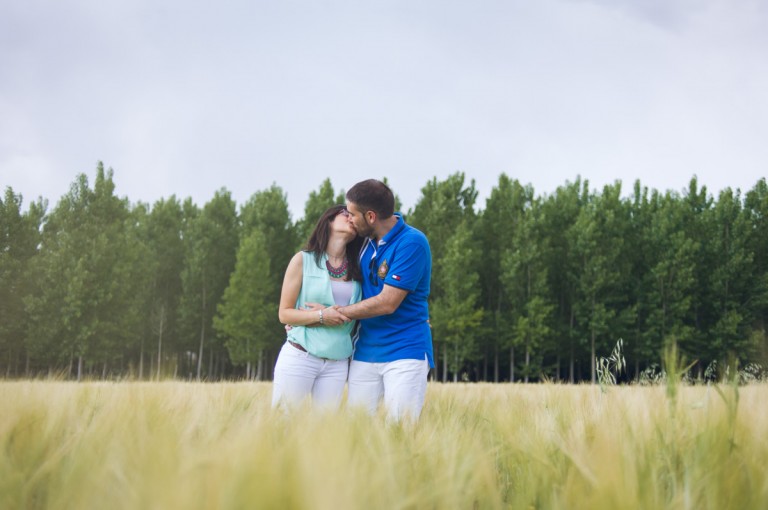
[(401, 259)]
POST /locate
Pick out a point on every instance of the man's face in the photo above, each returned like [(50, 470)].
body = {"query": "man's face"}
[(358, 220)]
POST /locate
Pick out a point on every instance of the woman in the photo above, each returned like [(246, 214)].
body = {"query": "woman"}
[(315, 358)]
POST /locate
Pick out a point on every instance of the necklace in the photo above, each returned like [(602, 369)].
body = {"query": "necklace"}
[(337, 272)]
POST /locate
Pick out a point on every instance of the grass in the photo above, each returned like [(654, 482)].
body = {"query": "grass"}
[(184, 445)]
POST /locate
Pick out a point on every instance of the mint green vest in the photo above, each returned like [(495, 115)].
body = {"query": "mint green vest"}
[(322, 341)]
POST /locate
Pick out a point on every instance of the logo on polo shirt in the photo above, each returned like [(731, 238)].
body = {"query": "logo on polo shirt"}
[(383, 270), (396, 277)]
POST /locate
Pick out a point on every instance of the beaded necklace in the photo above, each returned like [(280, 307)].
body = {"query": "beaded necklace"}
[(337, 272)]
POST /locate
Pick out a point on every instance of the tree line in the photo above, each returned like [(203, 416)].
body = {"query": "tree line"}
[(529, 287)]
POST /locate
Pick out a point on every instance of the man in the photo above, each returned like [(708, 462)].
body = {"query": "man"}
[(393, 353)]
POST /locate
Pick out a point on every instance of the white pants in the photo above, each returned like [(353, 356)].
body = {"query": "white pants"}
[(298, 375), (402, 384)]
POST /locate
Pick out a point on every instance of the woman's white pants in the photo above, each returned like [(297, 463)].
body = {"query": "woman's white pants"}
[(299, 375)]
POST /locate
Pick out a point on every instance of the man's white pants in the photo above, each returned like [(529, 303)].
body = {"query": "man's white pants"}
[(298, 375), (402, 384)]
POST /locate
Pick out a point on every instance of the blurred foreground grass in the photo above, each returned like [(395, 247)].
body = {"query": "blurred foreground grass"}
[(176, 445)]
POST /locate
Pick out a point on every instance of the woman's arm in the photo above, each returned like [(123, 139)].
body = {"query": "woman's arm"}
[(287, 313)]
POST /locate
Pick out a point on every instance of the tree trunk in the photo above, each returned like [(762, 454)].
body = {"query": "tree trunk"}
[(527, 362), (571, 367), (496, 363), (592, 357), (160, 340), (456, 363), (445, 364), (260, 366), (512, 364), (141, 359), (79, 368), (202, 333)]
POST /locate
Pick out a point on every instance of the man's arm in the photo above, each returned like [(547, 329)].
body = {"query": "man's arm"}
[(382, 304)]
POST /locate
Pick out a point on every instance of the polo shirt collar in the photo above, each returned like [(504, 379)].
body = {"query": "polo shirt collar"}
[(399, 227)]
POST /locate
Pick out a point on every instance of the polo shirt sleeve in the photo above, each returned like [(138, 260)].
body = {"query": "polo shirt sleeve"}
[(409, 264)]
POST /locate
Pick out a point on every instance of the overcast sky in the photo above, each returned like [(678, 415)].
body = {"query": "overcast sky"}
[(186, 97)]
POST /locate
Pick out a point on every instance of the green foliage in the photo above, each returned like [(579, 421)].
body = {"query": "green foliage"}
[(164, 229), (446, 214), (267, 212), (456, 313), (730, 281), (317, 203), (248, 308), (442, 207), (497, 228), (559, 213), (210, 259), (598, 240), (19, 240), (533, 286), (92, 313)]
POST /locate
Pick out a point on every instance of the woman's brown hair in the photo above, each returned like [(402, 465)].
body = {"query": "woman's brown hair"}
[(318, 242)]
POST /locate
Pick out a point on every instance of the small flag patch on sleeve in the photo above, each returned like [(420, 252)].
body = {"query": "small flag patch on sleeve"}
[(395, 277)]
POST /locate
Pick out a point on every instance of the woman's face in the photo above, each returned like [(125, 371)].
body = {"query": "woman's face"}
[(343, 226)]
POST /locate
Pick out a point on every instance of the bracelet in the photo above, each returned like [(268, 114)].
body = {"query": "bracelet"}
[(321, 316)]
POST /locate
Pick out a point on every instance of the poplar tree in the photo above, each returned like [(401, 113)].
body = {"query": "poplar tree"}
[(732, 279), (165, 237), (441, 209), (560, 212), (670, 280), (84, 306), (756, 209), (642, 254), (524, 274), (247, 313), (598, 239), (698, 224), (457, 313), (316, 204), (210, 258), (498, 224), (267, 212), (19, 238)]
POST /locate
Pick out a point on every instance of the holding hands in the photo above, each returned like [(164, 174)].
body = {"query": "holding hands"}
[(330, 315)]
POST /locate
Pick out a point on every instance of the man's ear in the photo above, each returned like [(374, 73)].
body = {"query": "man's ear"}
[(370, 217)]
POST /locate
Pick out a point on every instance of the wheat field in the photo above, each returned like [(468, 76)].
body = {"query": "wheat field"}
[(170, 445)]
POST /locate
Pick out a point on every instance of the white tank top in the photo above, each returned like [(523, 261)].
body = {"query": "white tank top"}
[(342, 291)]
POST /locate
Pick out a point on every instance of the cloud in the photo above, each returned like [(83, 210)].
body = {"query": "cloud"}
[(187, 97)]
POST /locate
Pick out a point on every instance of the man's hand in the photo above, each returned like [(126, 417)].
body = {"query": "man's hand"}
[(331, 316)]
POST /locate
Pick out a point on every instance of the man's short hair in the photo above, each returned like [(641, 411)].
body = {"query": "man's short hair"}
[(373, 195)]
